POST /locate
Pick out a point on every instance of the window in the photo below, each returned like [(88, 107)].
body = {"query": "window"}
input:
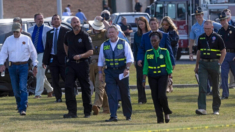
[(171, 11), (181, 11), (159, 11), (130, 19), (4, 28)]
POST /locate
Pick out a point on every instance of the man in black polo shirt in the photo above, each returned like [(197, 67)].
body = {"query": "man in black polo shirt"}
[(126, 28), (227, 32), (210, 56), (78, 48)]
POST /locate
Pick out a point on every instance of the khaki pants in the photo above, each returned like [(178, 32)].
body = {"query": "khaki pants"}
[(41, 78), (101, 99)]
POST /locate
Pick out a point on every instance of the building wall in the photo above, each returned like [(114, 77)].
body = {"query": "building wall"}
[(144, 4), (27, 8)]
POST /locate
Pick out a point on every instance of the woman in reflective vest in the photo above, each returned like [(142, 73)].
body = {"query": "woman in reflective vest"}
[(158, 67)]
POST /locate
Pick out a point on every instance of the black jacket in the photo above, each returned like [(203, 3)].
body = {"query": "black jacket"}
[(174, 37), (60, 46)]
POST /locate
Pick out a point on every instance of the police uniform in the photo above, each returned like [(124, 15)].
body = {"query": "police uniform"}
[(197, 30), (101, 98), (77, 44), (229, 39), (158, 66), (210, 51), (115, 55)]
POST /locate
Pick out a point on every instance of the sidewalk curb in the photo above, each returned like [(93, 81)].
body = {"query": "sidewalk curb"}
[(174, 86)]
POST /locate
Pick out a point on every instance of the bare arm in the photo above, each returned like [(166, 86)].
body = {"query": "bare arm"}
[(223, 53), (191, 42), (84, 55)]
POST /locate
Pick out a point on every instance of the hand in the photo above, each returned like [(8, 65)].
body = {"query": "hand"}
[(99, 18), (125, 72), (101, 77), (44, 66), (140, 63), (169, 76), (76, 57), (127, 30), (2, 68), (191, 57), (196, 70), (35, 70), (143, 84)]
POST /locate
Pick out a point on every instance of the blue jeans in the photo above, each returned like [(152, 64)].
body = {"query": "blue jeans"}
[(115, 88), (226, 65), (19, 75)]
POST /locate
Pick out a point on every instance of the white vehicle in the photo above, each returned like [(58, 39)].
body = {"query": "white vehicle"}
[(180, 11)]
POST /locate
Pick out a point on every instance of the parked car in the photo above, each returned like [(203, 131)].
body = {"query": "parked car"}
[(130, 17), (5, 82)]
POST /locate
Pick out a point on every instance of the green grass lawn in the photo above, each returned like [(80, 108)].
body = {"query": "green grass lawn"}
[(183, 74), (45, 115)]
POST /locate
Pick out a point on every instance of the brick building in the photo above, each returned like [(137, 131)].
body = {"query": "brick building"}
[(27, 8)]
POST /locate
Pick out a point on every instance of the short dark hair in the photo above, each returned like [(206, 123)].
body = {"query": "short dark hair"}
[(156, 33), (17, 19), (79, 10), (55, 15), (153, 19), (227, 10), (37, 15), (68, 5)]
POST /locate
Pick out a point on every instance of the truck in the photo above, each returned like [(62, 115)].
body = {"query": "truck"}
[(180, 11)]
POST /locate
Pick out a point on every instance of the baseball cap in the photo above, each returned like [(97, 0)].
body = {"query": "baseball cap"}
[(16, 27)]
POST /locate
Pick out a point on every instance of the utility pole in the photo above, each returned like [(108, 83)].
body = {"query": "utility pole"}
[(1, 9), (59, 8)]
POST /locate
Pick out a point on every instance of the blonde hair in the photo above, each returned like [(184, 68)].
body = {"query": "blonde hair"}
[(171, 23)]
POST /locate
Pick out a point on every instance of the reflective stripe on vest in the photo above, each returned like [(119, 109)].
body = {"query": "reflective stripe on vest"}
[(116, 58)]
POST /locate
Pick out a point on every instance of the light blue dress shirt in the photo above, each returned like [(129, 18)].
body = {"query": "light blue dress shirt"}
[(198, 30)]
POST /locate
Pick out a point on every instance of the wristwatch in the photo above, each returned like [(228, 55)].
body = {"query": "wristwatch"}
[(128, 68)]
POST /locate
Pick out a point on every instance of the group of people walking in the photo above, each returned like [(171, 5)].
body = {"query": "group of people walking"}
[(101, 57)]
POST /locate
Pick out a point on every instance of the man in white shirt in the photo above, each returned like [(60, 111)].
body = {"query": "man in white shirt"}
[(39, 40), (19, 48), (68, 9), (116, 55)]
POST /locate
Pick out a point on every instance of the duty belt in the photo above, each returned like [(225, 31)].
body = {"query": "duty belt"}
[(78, 61), (209, 60), (230, 50)]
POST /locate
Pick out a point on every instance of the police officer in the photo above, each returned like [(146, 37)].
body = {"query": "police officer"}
[(117, 55), (157, 66), (98, 36), (196, 31), (78, 49), (228, 34), (231, 23), (210, 55)]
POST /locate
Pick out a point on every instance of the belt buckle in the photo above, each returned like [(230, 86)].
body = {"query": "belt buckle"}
[(77, 61)]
